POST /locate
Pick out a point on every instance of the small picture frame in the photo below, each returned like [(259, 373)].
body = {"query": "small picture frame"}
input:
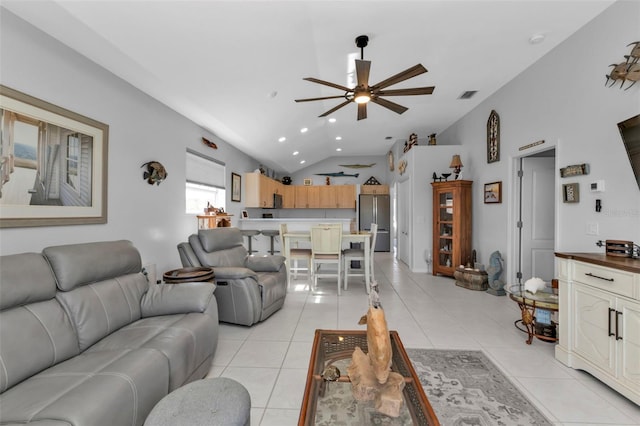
[(571, 193), (245, 214), (307, 182), (493, 193), (236, 185)]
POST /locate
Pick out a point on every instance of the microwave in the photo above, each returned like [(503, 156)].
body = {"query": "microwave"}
[(277, 201)]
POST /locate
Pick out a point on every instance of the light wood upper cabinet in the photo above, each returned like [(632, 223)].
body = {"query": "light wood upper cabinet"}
[(345, 196), (288, 196), (307, 197), (259, 190), (374, 189)]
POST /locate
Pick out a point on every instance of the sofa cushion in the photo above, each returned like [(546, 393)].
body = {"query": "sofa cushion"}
[(98, 388), (185, 340), (35, 332), (101, 308), (220, 238), (25, 278), (79, 264)]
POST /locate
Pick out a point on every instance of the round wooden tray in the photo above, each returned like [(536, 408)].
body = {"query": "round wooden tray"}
[(190, 274)]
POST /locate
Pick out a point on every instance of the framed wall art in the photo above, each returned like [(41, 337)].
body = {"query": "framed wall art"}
[(571, 193), (53, 164), (307, 182), (493, 137), (493, 193), (236, 187)]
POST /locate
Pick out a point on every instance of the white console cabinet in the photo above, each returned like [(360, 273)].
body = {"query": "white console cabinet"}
[(599, 308)]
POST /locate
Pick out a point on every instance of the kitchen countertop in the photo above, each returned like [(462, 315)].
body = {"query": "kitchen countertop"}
[(623, 263)]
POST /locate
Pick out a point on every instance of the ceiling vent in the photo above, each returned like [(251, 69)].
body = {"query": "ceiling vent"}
[(468, 94)]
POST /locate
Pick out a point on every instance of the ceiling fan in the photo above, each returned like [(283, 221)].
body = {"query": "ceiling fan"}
[(363, 93)]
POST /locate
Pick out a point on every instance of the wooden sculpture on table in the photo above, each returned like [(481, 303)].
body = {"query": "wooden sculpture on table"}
[(370, 374)]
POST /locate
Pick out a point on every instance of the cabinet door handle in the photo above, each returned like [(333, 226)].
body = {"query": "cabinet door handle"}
[(589, 274), (618, 315), (609, 328)]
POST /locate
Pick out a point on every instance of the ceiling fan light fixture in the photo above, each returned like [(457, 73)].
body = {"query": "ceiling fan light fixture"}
[(361, 96)]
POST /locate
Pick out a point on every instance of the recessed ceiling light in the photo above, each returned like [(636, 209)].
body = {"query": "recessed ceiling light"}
[(282, 139), (295, 153), (332, 120), (338, 149), (303, 130), (536, 39), (338, 138), (303, 161)]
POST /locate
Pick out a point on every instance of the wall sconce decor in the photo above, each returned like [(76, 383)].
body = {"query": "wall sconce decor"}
[(155, 173), (493, 137), (456, 165), (627, 70)]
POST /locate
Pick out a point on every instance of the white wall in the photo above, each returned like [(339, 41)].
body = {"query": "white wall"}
[(140, 129), (562, 99)]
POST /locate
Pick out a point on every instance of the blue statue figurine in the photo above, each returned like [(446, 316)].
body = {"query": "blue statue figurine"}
[(496, 285)]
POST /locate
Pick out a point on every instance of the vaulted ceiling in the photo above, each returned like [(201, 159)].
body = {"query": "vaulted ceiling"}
[(235, 67)]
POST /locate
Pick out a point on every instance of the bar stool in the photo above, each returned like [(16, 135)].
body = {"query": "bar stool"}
[(271, 233), (250, 233)]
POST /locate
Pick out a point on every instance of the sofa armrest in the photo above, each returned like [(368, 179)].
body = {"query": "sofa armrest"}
[(168, 299), (232, 272), (269, 263)]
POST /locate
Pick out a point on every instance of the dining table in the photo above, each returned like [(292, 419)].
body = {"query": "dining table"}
[(363, 237)]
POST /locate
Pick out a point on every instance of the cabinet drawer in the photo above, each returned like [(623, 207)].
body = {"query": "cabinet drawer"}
[(613, 280)]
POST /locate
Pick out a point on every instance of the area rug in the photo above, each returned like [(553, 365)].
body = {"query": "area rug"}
[(466, 388)]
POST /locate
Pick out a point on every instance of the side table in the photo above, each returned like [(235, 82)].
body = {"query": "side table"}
[(188, 275), (528, 303)]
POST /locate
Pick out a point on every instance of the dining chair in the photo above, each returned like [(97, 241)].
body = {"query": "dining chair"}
[(357, 254), (295, 254), (326, 248)]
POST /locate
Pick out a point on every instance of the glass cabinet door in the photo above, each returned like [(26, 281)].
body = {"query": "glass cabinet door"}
[(445, 228)]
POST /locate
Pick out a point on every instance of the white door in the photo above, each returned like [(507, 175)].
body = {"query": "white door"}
[(404, 223), (537, 215)]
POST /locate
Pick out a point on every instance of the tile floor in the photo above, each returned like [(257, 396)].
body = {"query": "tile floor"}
[(271, 358)]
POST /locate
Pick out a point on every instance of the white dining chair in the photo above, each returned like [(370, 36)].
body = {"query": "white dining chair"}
[(295, 255), (326, 248), (357, 254)]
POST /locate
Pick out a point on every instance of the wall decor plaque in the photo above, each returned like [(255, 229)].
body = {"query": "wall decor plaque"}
[(571, 193), (575, 170), (493, 137)]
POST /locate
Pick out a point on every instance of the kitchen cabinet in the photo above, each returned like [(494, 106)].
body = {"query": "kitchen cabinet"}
[(259, 190), (307, 197), (374, 189), (345, 196), (451, 225), (599, 306), (288, 196)]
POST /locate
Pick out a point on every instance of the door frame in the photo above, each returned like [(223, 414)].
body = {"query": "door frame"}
[(513, 213)]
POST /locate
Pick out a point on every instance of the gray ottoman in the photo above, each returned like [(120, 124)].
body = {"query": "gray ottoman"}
[(218, 401)]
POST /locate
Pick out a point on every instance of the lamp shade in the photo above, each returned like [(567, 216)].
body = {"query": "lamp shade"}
[(456, 162)]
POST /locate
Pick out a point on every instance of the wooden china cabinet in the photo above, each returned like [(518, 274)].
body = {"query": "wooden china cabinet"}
[(451, 225)]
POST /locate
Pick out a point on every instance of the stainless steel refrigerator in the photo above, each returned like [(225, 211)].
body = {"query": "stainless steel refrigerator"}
[(376, 209)]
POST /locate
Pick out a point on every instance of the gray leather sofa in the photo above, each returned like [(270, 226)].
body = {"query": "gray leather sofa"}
[(86, 340), (249, 288)]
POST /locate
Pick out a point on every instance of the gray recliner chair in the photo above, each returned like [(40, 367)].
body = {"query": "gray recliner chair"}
[(249, 288)]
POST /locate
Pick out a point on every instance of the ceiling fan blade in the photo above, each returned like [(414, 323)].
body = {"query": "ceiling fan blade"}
[(362, 111), (319, 99), (388, 104), (327, 83), (407, 92), (362, 72), (332, 110), (401, 76)]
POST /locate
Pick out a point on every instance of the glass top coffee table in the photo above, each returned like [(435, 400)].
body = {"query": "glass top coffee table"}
[(327, 403)]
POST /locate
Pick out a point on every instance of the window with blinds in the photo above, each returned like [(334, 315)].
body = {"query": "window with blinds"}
[(205, 183)]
